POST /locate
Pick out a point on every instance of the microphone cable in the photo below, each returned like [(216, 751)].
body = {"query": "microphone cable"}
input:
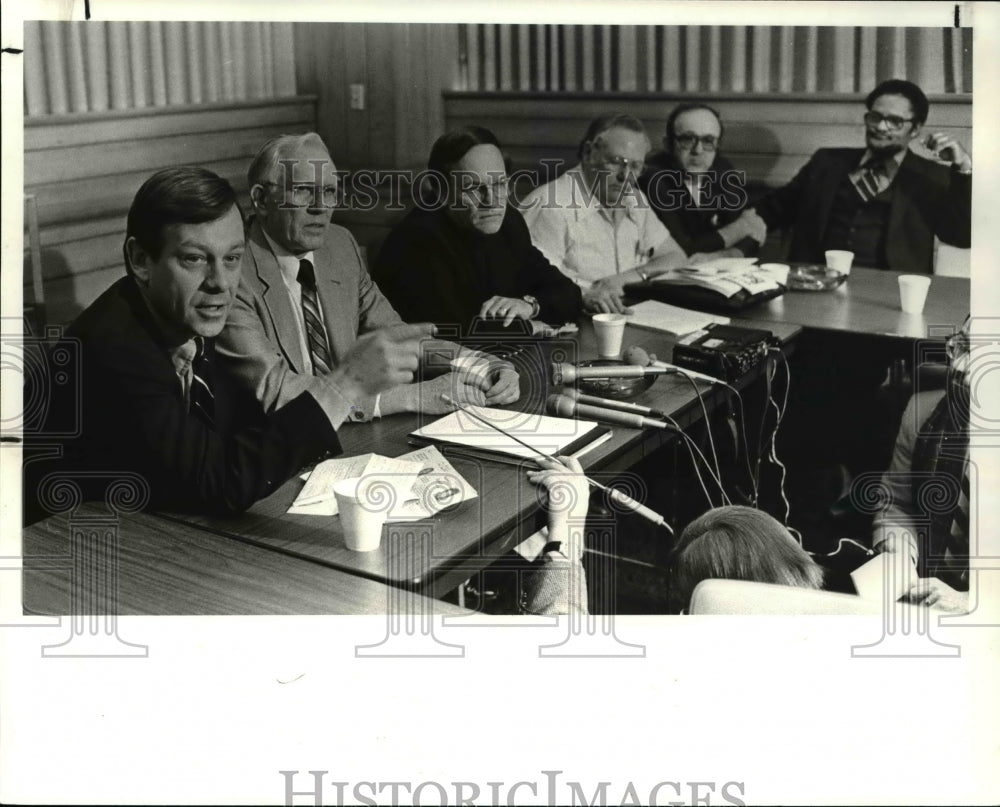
[(692, 446), (754, 480), (708, 426)]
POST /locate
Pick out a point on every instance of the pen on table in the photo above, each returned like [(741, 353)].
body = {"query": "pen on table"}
[(614, 493), (322, 497)]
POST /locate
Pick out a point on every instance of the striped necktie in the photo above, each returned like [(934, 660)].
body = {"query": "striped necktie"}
[(202, 399), (871, 181), (319, 352)]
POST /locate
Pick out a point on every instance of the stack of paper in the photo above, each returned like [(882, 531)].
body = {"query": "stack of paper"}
[(670, 318), (549, 435)]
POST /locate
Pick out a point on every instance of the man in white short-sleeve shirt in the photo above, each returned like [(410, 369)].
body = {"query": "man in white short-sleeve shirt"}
[(594, 223)]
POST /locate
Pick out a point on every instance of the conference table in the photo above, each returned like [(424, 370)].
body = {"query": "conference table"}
[(97, 561), (435, 555), (867, 304), (270, 561), (863, 318)]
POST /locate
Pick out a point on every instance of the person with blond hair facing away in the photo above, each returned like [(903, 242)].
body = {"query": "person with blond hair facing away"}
[(737, 543)]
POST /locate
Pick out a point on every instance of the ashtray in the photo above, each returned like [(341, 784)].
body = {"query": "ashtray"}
[(613, 387), (814, 278)]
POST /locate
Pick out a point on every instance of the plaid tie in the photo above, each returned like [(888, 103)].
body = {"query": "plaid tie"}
[(869, 183), (319, 353), (202, 399)]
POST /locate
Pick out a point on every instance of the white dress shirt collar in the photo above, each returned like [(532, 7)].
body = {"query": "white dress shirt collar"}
[(288, 262)]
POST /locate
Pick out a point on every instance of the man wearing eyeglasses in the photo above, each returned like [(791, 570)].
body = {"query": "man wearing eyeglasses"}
[(885, 203), (594, 222), (307, 315), (696, 191)]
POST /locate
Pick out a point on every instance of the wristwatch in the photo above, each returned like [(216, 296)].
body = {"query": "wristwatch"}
[(642, 274), (536, 307)]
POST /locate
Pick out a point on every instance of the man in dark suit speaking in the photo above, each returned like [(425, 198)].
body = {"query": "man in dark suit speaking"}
[(152, 401), (884, 202)]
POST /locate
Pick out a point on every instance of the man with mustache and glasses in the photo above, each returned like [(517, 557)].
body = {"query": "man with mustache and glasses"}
[(595, 224), (883, 202)]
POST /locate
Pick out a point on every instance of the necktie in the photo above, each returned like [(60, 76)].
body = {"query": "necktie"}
[(958, 538), (869, 183), (319, 352), (695, 189), (202, 399)]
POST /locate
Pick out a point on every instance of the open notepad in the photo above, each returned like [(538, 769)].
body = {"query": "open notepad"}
[(550, 435)]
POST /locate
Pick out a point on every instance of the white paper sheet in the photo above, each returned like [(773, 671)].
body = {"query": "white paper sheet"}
[(659, 316), (549, 435)]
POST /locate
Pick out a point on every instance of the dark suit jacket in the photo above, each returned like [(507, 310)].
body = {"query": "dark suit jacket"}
[(134, 417), (928, 199), (435, 271), (260, 343), (696, 228)]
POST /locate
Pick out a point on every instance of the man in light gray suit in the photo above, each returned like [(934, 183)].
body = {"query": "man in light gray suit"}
[(305, 301)]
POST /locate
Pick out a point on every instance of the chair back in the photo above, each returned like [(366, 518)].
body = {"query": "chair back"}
[(744, 597)]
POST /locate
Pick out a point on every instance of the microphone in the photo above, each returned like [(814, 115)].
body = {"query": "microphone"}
[(566, 407), (637, 356), (622, 498), (609, 403), (565, 373)]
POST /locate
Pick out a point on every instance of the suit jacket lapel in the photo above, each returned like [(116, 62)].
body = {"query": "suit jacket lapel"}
[(896, 246), (827, 191), (275, 297)]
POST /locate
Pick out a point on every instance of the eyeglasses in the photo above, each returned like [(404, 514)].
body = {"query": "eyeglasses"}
[(304, 194), (892, 122), (621, 163), (486, 192), (687, 140)]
